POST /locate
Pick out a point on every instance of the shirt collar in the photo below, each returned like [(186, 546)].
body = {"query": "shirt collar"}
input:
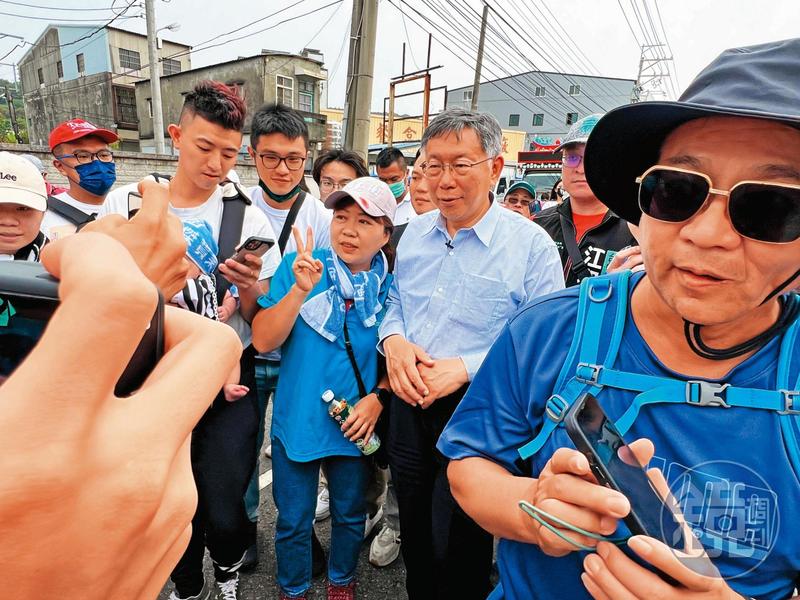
[(484, 229)]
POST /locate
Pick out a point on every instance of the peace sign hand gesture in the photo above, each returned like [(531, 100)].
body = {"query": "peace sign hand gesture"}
[(307, 270)]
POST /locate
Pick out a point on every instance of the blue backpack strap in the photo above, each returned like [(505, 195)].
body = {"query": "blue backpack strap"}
[(788, 382), (599, 297), (666, 390)]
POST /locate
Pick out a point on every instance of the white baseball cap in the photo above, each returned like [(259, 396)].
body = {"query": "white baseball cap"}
[(21, 183), (370, 193)]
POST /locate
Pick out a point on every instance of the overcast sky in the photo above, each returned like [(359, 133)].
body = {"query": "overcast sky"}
[(697, 31)]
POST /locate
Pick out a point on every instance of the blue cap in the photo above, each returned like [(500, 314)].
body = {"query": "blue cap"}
[(201, 248)]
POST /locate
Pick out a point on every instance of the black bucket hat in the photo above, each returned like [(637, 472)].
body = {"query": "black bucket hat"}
[(757, 81)]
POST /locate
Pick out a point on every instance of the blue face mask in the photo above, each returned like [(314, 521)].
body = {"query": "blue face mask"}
[(97, 177), (398, 189)]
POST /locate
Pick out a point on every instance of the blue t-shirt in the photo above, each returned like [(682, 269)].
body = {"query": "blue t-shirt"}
[(310, 364), (728, 467)]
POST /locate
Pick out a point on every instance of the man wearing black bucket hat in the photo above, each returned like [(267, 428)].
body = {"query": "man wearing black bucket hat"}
[(697, 359)]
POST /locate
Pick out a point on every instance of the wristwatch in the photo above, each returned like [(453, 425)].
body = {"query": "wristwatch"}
[(384, 396)]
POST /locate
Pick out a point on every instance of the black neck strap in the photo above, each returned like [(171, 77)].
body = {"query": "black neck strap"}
[(790, 310)]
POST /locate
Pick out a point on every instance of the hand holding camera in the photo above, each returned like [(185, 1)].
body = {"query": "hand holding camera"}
[(153, 236), (74, 455)]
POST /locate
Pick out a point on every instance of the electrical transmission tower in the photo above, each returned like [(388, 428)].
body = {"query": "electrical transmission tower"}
[(654, 73)]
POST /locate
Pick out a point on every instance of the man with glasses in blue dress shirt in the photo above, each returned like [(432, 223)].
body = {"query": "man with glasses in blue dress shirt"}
[(461, 273)]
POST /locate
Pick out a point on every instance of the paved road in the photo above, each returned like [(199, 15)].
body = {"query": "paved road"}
[(374, 584)]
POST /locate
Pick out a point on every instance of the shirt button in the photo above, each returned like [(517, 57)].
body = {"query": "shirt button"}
[(440, 290), (450, 253)]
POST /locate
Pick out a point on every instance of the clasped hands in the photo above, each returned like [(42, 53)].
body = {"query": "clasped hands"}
[(418, 379)]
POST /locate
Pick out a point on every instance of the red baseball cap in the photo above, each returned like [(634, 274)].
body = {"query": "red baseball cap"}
[(75, 129)]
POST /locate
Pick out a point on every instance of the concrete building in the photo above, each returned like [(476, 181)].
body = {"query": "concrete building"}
[(80, 71), (544, 105), (272, 76)]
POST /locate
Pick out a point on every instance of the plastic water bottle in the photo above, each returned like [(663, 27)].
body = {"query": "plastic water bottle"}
[(340, 410)]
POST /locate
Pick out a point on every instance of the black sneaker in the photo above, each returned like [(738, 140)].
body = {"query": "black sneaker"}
[(318, 559)]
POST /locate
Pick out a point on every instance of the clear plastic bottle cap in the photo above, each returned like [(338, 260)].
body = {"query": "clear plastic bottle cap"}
[(327, 396)]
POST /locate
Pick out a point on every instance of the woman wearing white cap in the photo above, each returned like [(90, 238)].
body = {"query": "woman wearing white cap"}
[(23, 200), (338, 295)]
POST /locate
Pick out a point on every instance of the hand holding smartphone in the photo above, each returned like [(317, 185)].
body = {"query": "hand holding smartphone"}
[(615, 465), (255, 245)]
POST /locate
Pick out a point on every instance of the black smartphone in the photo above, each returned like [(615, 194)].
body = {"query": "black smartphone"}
[(29, 297), (253, 245), (615, 466), (134, 203)]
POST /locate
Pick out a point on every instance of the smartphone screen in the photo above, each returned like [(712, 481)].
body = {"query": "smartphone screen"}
[(22, 321), (615, 463), (134, 204), (28, 299)]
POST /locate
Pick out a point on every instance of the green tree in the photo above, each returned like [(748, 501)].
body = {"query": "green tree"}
[(6, 128)]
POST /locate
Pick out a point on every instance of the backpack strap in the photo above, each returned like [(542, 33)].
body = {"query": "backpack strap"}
[(579, 268), (230, 231), (74, 215), (790, 418), (602, 309), (290, 219)]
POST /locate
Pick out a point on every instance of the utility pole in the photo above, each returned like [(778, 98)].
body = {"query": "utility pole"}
[(360, 68), (476, 85), (155, 76), (12, 115)]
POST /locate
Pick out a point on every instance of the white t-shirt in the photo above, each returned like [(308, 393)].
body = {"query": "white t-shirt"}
[(255, 224), (404, 211), (54, 226), (312, 214)]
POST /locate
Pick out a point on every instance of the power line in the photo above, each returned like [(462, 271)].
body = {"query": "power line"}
[(408, 39), (546, 77), (573, 48), (61, 20), (455, 42), (59, 8), (519, 80), (195, 50), (669, 46), (338, 62), (630, 27), (309, 42)]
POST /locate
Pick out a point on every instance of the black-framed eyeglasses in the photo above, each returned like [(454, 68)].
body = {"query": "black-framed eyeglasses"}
[(758, 210), (292, 162), (84, 156), (433, 168)]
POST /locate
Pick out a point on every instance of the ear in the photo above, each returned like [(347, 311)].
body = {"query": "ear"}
[(60, 167), (251, 152), (497, 168), (175, 134)]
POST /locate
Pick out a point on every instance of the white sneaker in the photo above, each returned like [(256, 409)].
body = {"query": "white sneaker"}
[(385, 548), (370, 523), (268, 451), (228, 590), (323, 505), (205, 594)]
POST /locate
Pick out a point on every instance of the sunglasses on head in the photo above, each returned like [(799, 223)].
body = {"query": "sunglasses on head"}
[(758, 210)]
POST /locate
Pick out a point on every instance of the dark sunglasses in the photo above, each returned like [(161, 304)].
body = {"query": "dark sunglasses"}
[(758, 210)]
